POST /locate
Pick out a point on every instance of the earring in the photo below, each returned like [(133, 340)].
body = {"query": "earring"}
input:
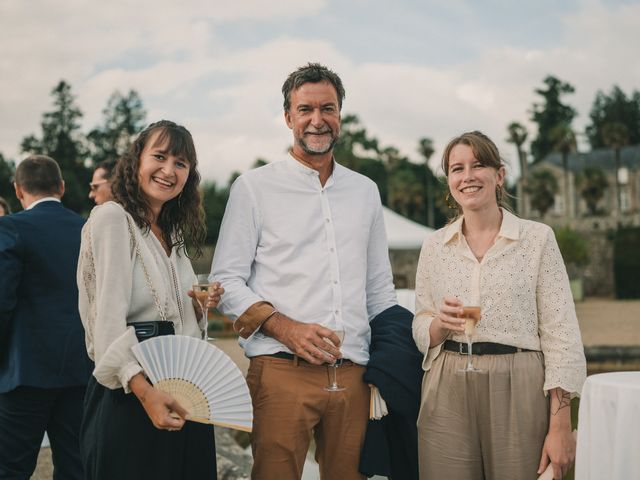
[(448, 200), (499, 193)]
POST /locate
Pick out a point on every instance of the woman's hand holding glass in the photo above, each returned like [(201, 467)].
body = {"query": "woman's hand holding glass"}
[(447, 320), (205, 295)]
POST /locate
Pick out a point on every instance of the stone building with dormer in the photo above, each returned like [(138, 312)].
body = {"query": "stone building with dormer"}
[(576, 213)]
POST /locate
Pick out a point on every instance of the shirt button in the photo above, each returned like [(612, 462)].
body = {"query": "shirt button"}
[(337, 312), (335, 282), (332, 249), (327, 220)]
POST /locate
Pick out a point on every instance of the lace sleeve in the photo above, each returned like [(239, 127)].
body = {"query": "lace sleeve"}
[(560, 340), (106, 274), (425, 306)]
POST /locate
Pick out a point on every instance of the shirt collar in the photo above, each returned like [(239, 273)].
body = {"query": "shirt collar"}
[(453, 230), (44, 199), (302, 167), (509, 228)]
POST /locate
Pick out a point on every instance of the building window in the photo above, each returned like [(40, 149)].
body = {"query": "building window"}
[(558, 204), (625, 200)]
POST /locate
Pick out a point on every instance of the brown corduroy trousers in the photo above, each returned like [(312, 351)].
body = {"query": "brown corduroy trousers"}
[(487, 425)]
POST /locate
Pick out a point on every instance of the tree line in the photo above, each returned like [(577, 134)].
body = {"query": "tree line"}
[(409, 187), (614, 123)]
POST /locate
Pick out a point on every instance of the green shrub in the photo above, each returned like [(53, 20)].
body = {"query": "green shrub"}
[(573, 246), (626, 262)]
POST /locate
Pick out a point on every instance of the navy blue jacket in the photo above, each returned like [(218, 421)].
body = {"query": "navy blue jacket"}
[(41, 336), (395, 366)]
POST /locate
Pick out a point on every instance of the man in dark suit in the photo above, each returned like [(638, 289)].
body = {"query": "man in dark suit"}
[(44, 366)]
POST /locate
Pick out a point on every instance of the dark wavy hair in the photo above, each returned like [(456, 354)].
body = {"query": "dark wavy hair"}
[(181, 218)]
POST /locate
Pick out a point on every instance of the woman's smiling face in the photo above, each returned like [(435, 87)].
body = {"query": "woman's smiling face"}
[(472, 184), (161, 175)]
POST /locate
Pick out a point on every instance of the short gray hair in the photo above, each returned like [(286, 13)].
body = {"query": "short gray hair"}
[(311, 73)]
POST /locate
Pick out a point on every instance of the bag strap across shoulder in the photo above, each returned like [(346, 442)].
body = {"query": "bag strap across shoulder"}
[(161, 311)]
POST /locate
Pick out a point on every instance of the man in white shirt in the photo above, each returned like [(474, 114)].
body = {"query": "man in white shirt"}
[(302, 254)]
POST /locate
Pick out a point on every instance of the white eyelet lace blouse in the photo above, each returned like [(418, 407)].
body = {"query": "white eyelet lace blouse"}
[(522, 287)]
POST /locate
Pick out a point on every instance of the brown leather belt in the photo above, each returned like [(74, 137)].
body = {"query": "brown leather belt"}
[(296, 359)]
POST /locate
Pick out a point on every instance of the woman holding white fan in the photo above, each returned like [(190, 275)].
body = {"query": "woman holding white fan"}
[(135, 280), (505, 412)]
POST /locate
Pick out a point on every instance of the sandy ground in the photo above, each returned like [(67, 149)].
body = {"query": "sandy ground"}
[(602, 322)]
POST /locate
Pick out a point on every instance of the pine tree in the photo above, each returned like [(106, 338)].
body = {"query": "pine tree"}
[(122, 119), (61, 140), (550, 114)]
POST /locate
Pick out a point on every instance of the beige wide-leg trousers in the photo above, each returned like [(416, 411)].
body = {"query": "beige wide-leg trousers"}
[(487, 425)]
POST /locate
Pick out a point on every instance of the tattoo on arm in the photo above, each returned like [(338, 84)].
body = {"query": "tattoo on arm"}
[(564, 400)]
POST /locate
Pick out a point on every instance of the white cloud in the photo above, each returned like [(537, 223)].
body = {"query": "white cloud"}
[(229, 95)]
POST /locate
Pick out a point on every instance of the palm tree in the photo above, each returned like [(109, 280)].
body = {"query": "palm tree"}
[(542, 186), (518, 135), (426, 149), (616, 135), (593, 183), (564, 141)]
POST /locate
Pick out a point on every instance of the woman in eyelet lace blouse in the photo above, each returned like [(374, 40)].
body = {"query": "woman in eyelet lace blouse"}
[(511, 419), (134, 267)]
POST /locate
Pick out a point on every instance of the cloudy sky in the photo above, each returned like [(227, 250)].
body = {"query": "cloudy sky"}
[(411, 68)]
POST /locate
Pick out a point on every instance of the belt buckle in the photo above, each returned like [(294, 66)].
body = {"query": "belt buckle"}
[(460, 346)]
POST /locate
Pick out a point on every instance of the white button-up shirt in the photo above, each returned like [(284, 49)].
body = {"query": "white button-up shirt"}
[(318, 254), (522, 287)]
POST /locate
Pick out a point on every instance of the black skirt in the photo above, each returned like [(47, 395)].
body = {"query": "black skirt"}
[(118, 441)]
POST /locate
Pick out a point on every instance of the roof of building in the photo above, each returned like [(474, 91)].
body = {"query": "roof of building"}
[(402, 233), (600, 158)]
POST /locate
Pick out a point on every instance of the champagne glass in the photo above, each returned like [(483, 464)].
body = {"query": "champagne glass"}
[(333, 386), (471, 317), (201, 290)]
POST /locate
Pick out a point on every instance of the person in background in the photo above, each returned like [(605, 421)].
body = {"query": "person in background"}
[(303, 253), (133, 268), (513, 417), (5, 209), (44, 367), (100, 186)]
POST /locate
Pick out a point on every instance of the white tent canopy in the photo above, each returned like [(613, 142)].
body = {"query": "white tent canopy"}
[(402, 233)]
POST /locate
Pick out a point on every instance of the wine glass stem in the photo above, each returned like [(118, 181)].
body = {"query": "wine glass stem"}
[(335, 376), (205, 321), (470, 352)]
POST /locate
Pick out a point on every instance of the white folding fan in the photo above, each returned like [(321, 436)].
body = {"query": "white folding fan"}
[(201, 377)]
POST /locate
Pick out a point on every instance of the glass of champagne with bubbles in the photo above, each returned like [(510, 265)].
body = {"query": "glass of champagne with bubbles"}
[(333, 386), (471, 317), (201, 289)]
